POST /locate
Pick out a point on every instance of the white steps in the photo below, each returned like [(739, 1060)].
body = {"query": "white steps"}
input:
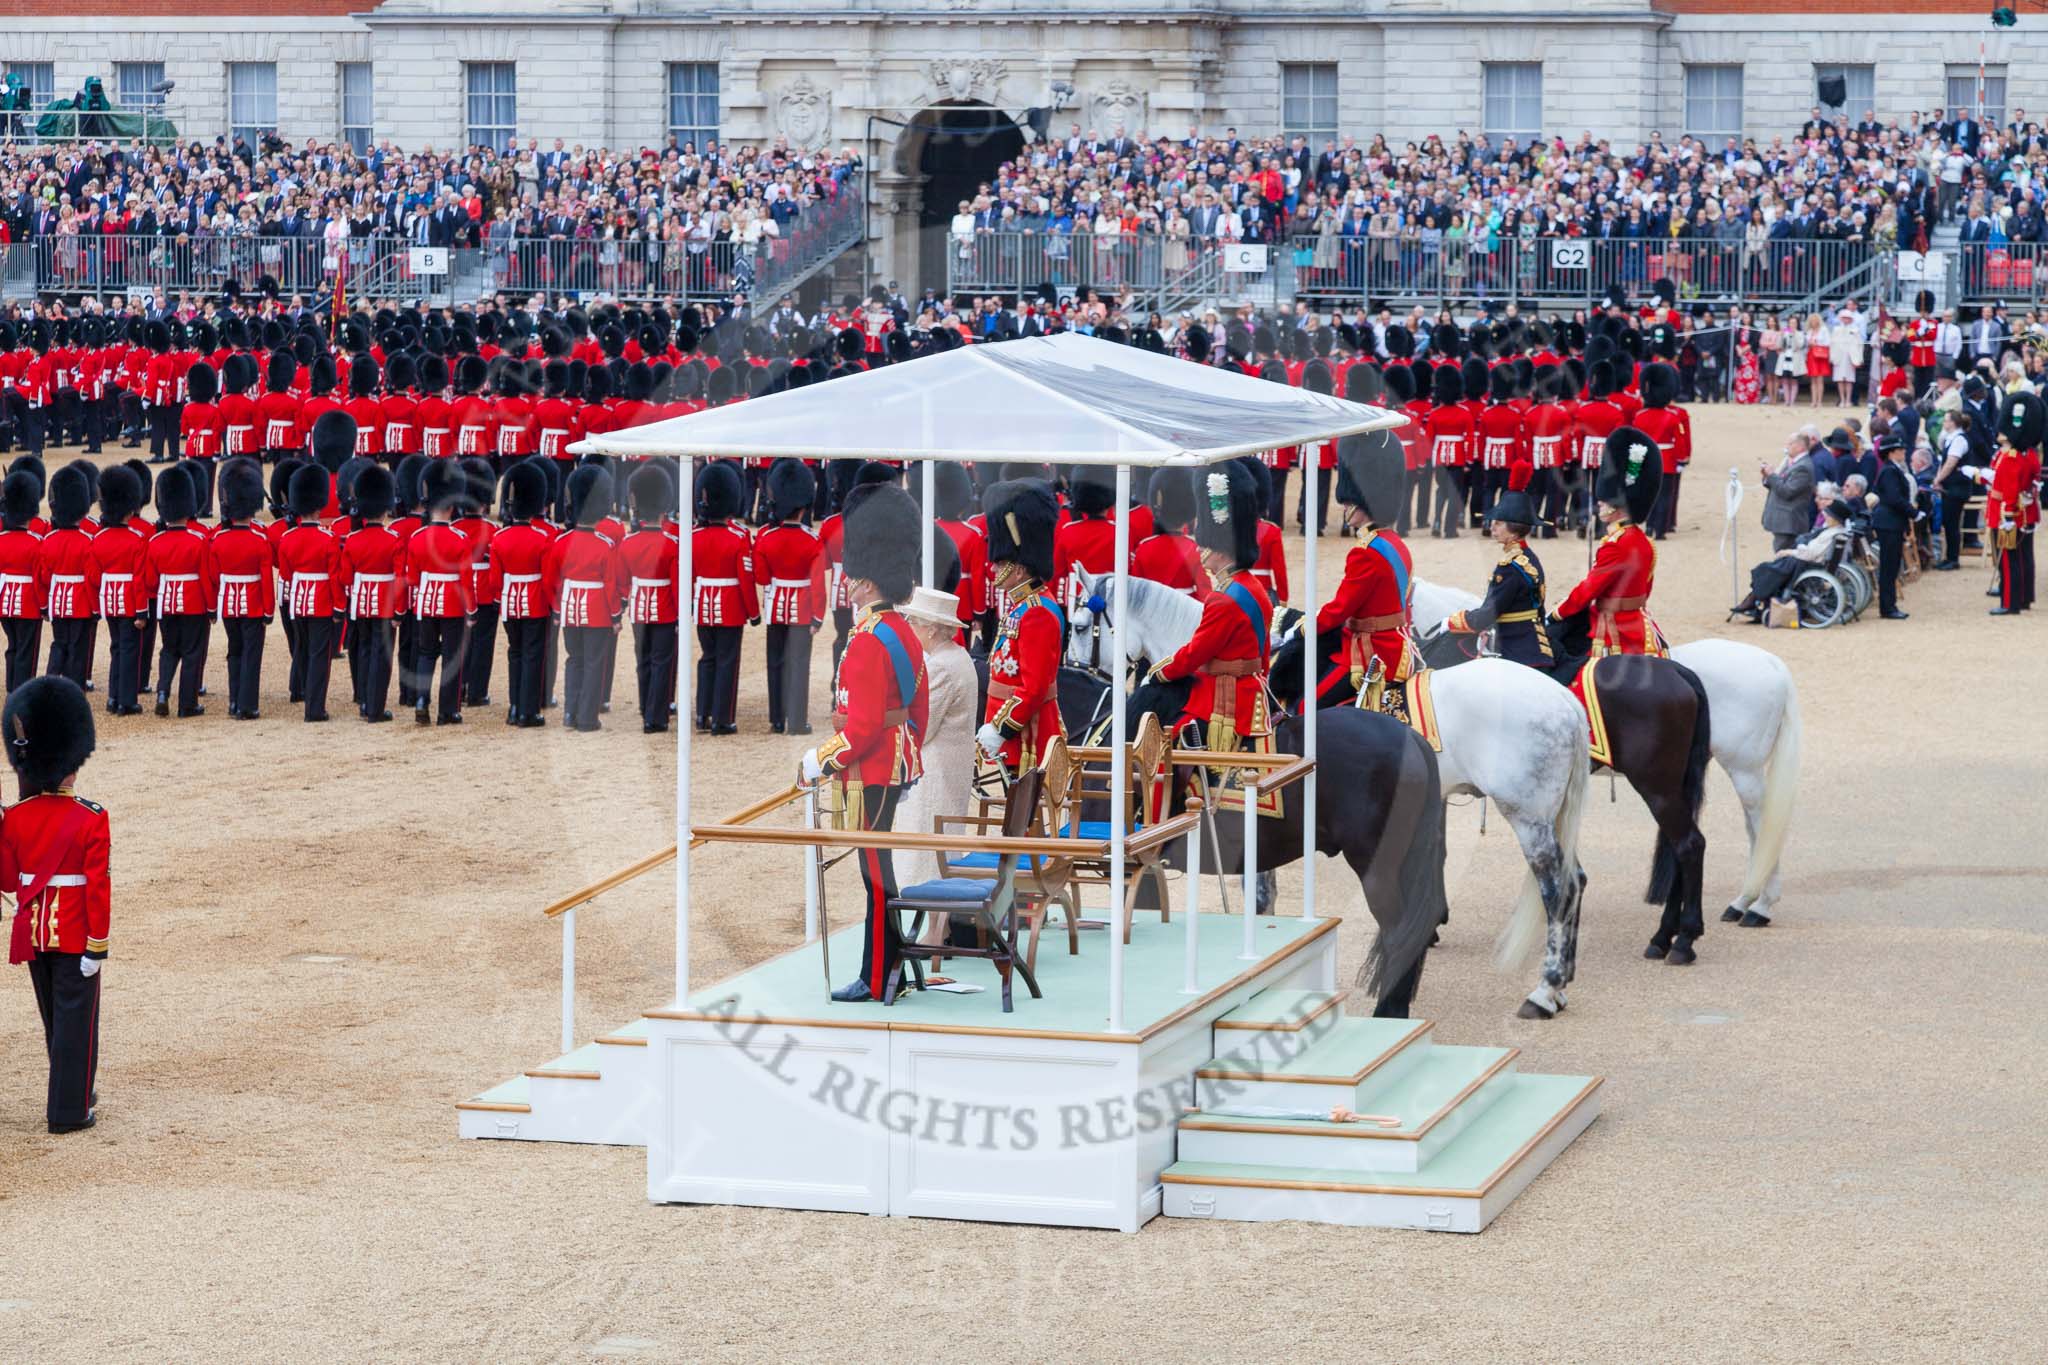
[(600, 1093)]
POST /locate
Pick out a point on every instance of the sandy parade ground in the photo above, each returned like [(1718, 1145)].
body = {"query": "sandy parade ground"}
[(1823, 1141)]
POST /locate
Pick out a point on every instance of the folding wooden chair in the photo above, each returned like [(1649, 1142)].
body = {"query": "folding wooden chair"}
[(1149, 775), (1040, 880), (990, 904)]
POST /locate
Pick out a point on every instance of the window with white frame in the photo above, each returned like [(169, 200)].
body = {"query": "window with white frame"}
[(493, 91), (39, 77), (1859, 92), (135, 85), (356, 105), (693, 103), (1713, 104), (1308, 101), (1986, 105), (1513, 93), (252, 103)]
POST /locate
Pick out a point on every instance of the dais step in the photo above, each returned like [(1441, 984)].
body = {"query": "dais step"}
[(1338, 1066)]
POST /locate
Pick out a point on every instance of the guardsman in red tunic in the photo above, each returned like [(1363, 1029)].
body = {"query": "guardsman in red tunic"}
[(1168, 555), (1088, 542), (181, 587), (832, 535), (1663, 421), (1231, 650), (240, 558), (556, 421), (277, 411), (400, 406), (443, 591), (1920, 335), (789, 568), (1499, 435), (477, 483), (1449, 428), (160, 391), (474, 418), (968, 567), (1594, 419), (880, 707), (1546, 434), (583, 580), (365, 407), (1363, 628), (241, 431), (21, 584), (1270, 567), (118, 550), (517, 579), (723, 599), (1609, 606), (649, 562), (366, 584), (1023, 713), (69, 575), (53, 860), (2013, 503), (203, 428), (433, 415)]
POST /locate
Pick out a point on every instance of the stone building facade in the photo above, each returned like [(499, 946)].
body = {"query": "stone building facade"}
[(883, 73)]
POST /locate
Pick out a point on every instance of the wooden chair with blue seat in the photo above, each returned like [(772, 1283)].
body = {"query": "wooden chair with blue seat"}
[(1041, 881), (989, 904), (1143, 804)]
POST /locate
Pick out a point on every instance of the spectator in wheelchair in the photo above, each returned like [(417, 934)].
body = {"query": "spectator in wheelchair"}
[(1815, 549)]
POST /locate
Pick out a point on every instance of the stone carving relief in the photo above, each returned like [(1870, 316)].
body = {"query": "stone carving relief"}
[(1119, 102), (803, 113), (967, 78)]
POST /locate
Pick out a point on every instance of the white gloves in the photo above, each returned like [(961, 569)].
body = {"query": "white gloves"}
[(810, 770), (1971, 472), (989, 738), (88, 967)]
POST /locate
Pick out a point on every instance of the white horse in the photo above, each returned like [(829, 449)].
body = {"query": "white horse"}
[(1508, 733), (1756, 739)]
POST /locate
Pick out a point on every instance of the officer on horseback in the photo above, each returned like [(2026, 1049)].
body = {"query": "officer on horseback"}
[(1365, 622), (1231, 650), (1513, 609), (1607, 612), (1024, 668)]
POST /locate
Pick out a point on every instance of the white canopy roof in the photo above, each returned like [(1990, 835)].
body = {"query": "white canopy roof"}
[(1066, 399)]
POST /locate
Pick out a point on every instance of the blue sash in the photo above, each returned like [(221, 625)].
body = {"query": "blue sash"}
[(1017, 612), (1248, 602), (1393, 558), (906, 676)]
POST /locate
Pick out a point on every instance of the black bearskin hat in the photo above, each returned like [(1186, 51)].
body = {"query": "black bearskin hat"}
[(1228, 520), (1173, 500), (1273, 372), (433, 373), (478, 483), (48, 722), (1022, 516), (1600, 379), (1631, 468), (362, 377), (21, 496), (718, 491), (470, 373), (284, 368), (721, 387), (238, 373), (1262, 479), (33, 467), (1445, 387), (1659, 383), (1316, 378), (241, 489), (791, 488), (1472, 377), (2023, 421), (954, 489), (653, 492), (307, 495), (374, 492), (334, 438), (1363, 383), (881, 539), (70, 497), (440, 486), (1371, 475), (345, 480), (1196, 340), (525, 493), (120, 495), (407, 481), (1400, 383), (1501, 383), (202, 383), (177, 502), (280, 484), (1092, 491), (320, 375)]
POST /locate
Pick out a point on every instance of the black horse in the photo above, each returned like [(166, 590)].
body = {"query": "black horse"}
[(1381, 811), (1658, 732)]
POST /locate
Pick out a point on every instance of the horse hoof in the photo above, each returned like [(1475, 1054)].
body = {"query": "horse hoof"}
[(1731, 915), (1682, 955), (1531, 1010), (1752, 920), (1435, 939), (1655, 952)]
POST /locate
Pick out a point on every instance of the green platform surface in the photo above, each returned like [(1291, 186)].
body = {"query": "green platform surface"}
[(1075, 988), (1281, 1010), (589, 1057), (518, 1090), (1414, 1098), (1466, 1165), (1347, 1049)]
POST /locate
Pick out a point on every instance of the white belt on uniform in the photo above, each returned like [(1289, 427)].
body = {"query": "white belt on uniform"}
[(299, 578), (173, 578), (702, 583), (640, 583), (591, 585), (115, 577), (480, 568), (773, 582), (441, 578), (525, 578), (63, 879), (240, 578), (67, 578)]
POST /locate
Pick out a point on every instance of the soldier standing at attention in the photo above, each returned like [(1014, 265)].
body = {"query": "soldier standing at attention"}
[(366, 584), (583, 580), (53, 855), (517, 574), (443, 587), (239, 557), (723, 600), (880, 704), (1612, 598), (649, 561), (306, 554), (789, 567)]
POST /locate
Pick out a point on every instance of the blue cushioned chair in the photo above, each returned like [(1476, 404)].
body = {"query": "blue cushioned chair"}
[(986, 905)]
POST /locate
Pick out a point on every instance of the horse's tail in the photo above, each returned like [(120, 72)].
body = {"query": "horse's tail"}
[(1527, 921), (1398, 949), (1781, 790), (1692, 788)]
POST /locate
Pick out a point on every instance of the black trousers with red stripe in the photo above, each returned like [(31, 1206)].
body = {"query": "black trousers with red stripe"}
[(24, 644), (2016, 574), (245, 661), (70, 1006), (71, 646), (881, 944)]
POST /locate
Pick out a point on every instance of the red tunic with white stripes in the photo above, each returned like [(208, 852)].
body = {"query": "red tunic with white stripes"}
[(583, 578), (437, 560), (69, 575), (239, 557), (366, 572), (517, 576), (180, 580), (118, 553), (307, 555), (789, 565), (722, 576), (648, 560)]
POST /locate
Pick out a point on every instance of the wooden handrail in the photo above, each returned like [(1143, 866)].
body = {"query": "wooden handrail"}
[(1198, 758), (654, 860), (1287, 776), (1151, 836), (1031, 846)]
